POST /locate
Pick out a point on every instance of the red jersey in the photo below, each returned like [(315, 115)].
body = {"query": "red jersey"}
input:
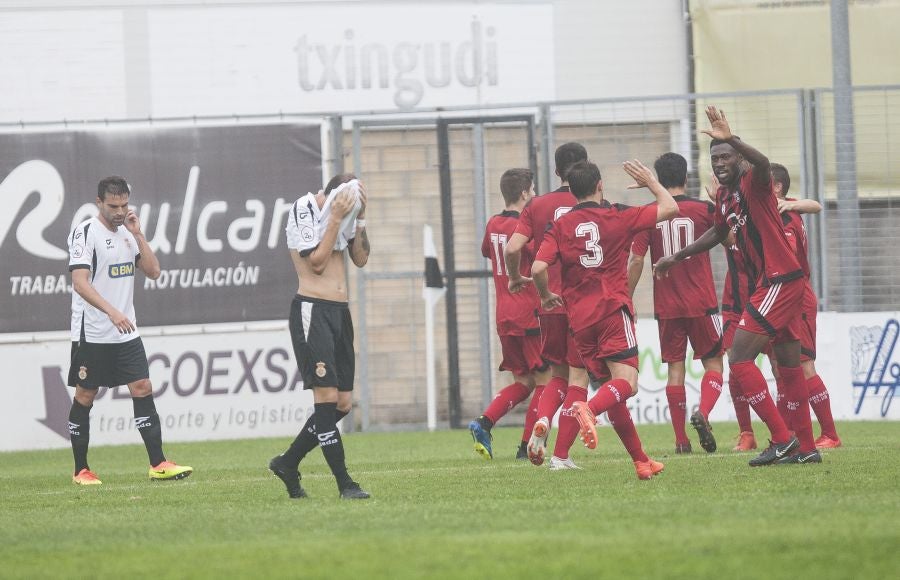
[(795, 232), (591, 244), (689, 291), (751, 212), (516, 313), (536, 218), (738, 287)]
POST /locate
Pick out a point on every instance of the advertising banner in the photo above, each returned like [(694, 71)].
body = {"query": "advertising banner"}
[(212, 202), (857, 359), (219, 385)]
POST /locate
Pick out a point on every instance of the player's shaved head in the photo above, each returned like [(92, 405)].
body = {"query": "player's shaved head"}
[(583, 178)]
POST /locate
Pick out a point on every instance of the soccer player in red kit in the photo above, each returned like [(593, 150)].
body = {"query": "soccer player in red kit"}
[(685, 303), (556, 343), (590, 244), (517, 323), (746, 205), (796, 234)]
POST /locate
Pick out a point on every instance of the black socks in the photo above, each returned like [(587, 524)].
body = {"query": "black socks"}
[(146, 420), (306, 440), (329, 439), (79, 433)]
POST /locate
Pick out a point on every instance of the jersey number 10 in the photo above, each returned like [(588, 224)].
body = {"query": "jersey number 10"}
[(676, 234)]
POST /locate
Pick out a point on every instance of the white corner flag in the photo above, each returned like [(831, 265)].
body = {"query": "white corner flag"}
[(432, 291)]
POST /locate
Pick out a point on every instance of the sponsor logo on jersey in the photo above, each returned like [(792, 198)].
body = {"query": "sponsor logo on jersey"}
[(121, 270)]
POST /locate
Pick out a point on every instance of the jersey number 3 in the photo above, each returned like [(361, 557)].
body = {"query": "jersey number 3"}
[(594, 255)]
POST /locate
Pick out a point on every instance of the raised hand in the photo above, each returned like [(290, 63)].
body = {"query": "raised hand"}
[(363, 200), (713, 186), (343, 202), (641, 174), (719, 127), (132, 223)]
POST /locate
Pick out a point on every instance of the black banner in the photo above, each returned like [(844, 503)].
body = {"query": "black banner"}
[(212, 203)]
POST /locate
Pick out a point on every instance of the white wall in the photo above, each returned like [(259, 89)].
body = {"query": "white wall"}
[(95, 59)]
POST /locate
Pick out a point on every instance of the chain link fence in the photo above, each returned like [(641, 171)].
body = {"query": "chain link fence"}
[(399, 161)]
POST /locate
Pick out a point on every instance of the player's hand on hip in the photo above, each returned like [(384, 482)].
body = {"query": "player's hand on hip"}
[(662, 267), (641, 174), (516, 285), (551, 301), (719, 127), (121, 322)]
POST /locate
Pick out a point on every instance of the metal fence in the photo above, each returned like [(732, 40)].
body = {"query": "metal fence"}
[(399, 159)]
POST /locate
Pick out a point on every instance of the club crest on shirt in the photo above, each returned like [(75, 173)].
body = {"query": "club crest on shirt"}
[(82, 373), (320, 370), (77, 251)]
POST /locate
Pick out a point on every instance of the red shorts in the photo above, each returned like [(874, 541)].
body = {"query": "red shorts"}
[(521, 354), (557, 346), (730, 322), (807, 329), (705, 333), (776, 311), (611, 339)]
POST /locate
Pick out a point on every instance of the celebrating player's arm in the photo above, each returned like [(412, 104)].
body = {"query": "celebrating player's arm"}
[(709, 240), (720, 130), (799, 205), (643, 176), (549, 300), (512, 255), (635, 266)]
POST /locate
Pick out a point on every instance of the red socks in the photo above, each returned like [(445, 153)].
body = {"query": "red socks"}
[(710, 389), (757, 392), (741, 406), (505, 400), (621, 421), (531, 414), (675, 395), (552, 397), (797, 396), (821, 405), (781, 401), (568, 425), (611, 393)]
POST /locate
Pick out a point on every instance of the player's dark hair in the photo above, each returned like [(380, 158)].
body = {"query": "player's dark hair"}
[(583, 178), (567, 155), (715, 142), (337, 181), (780, 175), (513, 182), (112, 185), (671, 170)]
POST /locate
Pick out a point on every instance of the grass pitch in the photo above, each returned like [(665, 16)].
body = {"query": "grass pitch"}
[(439, 511)]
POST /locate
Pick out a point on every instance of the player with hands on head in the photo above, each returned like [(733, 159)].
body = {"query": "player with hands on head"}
[(320, 228)]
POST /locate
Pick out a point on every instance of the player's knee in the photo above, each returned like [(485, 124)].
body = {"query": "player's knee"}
[(85, 397), (140, 388)]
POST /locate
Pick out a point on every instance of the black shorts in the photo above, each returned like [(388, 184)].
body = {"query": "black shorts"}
[(96, 365), (322, 335)]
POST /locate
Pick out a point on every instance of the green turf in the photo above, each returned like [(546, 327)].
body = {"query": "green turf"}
[(439, 511)]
